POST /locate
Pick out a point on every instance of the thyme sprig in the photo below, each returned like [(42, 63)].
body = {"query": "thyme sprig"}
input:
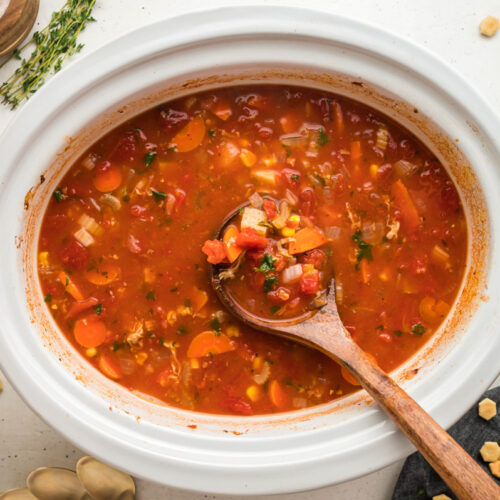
[(53, 45)]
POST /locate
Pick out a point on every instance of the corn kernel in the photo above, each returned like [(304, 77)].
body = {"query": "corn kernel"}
[(384, 276), (171, 317), (248, 158), (269, 161), (288, 232), (307, 268), (233, 331), (195, 364), (373, 170), (184, 311), (257, 363), (254, 393), (140, 357), (43, 258), (244, 143), (283, 294), (91, 352)]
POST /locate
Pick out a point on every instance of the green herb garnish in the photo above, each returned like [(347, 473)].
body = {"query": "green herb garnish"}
[(53, 45), (215, 326), (418, 329), (365, 249), (97, 309), (274, 309), (266, 264), (117, 345), (211, 133), (295, 177), (48, 298), (151, 295), (158, 195), (398, 333), (149, 157), (323, 138), (59, 195), (182, 330), (269, 283)]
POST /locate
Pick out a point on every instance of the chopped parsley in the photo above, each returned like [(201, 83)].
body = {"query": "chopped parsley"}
[(117, 345), (59, 195), (295, 177), (97, 309), (266, 264), (398, 333), (240, 210), (48, 297), (418, 329), (365, 249), (125, 198), (320, 178), (269, 283), (211, 133), (158, 195), (323, 138), (274, 309), (149, 157), (182, 330), (215, 326), (380, 327), (150, 295)]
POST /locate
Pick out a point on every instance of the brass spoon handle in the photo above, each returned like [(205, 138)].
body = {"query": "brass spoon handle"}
[(455, 466)]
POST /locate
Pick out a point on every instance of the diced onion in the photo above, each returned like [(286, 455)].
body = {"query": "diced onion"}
[(111, 201), (90, 224), (90, 161), (280, 221), (373, 232), (294, 140), (333, 232), (170, 204), (404, 168), (263, 376), (256, 200), (84, 237), (291, 274)]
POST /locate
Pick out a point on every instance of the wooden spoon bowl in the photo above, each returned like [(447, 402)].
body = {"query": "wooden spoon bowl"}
[(16, 22), (323, 329)]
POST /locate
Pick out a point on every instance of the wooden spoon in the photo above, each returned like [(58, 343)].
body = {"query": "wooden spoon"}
[(16, 20), (323, 330)]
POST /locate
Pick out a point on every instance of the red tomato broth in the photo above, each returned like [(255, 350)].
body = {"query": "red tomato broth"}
[(147, 247)]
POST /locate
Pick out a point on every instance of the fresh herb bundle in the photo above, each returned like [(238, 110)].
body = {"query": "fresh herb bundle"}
[(55, 43)]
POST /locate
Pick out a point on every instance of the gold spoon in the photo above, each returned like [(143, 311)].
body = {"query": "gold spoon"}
[(323, 330)]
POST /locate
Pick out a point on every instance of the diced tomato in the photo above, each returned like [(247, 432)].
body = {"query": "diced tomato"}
[(291, 122), (237, 405), (292, 177), (409, 213), (384, 174), (449, 198), (74, 254), (248, 238), (126, 148), (214, 250), (315, 257), (307, 199), (270, 208), (257, 280), (309, 283)]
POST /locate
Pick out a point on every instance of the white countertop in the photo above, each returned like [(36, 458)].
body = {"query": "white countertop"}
[(446, 27)]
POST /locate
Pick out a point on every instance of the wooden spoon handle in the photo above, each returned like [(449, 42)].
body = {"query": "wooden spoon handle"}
[(455, 466)]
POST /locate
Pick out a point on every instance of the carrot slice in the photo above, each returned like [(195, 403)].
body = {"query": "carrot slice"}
[(229, 239), (306, 239), (355, 150), (431, 311), (348, 377), (90, 332), (190, 136), (104, 274), (69, 286), (365, 271), (339, 118), (208, 343), (109, 366), (278, 396), (409, 213), (81, 305), (198, 299), (108, 177)]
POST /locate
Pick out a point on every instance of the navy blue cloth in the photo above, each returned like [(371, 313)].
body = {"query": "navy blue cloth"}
[(418, 481)]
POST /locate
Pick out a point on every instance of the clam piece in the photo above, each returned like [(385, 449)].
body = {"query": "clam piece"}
[(17, 494), (103, 482), (51, 483)]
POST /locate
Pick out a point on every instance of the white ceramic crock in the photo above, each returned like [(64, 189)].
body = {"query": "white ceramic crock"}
[(266, 454)]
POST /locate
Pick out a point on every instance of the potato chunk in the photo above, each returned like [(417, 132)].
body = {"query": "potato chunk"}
[(487, 409), (441, 497), (495, 468), (490, 451), (488, 26), (254, 218)]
